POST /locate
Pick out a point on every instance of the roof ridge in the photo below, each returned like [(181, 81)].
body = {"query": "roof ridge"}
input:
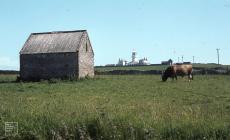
[(56, 32)]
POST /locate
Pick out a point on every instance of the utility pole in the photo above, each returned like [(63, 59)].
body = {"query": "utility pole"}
[(174, 55), (193, 59), (218, 55), (182, 58), (178, 59)]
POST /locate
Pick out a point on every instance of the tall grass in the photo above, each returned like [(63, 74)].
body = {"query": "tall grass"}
[(118, 107)]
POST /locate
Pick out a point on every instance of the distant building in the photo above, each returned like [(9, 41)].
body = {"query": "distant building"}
[(183, 63), (134, 57), (186, 62), (169, 62), (144, 61), (135, 61), (57, 55), (122, 62)]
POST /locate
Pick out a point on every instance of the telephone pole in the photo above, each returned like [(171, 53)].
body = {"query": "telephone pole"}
[(193, 59), (218, 55)]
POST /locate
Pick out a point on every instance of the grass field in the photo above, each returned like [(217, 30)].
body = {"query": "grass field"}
[(118, 107), (156, 67), (160, 67)]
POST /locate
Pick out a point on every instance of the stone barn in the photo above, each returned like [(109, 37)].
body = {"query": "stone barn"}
[(62, 54)]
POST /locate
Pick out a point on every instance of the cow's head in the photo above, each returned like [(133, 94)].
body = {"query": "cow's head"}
[(166, 74)]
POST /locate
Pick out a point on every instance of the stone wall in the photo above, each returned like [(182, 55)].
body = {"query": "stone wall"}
[(86, 58), (46, 66)]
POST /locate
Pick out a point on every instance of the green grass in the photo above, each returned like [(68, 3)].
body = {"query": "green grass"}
[(118, 107), (210, 66), (158, 67)]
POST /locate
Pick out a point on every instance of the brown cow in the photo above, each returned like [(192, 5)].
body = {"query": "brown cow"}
[(175, 70)]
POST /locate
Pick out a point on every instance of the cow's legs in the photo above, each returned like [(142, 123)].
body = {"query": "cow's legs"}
[(174, 77), (190, 76)]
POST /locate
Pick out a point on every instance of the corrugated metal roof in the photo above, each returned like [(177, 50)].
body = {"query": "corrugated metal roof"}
[(53, 42)]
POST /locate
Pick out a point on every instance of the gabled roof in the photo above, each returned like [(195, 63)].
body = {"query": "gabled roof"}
[(53, 42)]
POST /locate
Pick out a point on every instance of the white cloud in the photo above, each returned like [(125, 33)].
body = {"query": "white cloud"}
[(7, 63)]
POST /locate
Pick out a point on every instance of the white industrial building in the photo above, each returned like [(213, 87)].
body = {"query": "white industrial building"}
[(135, 61), (122, 62)]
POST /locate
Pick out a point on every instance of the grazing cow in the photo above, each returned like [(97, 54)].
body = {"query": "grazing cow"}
[(175, 70)]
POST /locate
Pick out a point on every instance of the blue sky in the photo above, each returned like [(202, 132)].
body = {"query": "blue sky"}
[(156, 29)]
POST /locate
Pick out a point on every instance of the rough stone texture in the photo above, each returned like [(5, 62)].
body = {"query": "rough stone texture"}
[(74, 64), (46, 66), (86, 58)]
